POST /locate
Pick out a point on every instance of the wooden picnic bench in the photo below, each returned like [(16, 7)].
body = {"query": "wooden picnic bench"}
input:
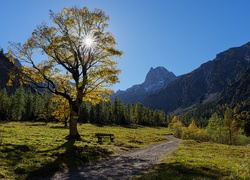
[(101, 135)]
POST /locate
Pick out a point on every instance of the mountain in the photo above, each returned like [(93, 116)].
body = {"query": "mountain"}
[(202, 85), (155, 79), (5, 67), (238, 92)]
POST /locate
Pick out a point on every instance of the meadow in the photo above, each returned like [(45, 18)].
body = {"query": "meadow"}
[(202, 161), (29, 150)]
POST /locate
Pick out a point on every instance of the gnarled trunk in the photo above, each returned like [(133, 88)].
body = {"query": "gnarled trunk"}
[(73, 132)]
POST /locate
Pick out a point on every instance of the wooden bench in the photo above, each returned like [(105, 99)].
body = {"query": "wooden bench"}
[(101, 135)]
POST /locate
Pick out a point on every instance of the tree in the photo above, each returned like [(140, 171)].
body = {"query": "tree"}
[(62, 112), (232, 126), (18, 104), (47, 107), (4, 104), (79, 56), (37, 103), (29, 105), (176, 125), (214, 128), (117, 111)]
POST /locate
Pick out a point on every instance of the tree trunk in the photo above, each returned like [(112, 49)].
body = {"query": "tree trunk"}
[(73, 132), (230, 136)]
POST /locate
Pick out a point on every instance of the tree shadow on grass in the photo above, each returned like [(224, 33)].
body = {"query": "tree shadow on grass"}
[(13, 155), (59, 127), (36, 123), (68, 157), (179, 171)]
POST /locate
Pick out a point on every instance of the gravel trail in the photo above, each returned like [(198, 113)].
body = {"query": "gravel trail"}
[(121, 167)]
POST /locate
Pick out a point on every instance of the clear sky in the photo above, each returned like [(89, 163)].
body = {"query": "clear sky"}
[(179, 35)]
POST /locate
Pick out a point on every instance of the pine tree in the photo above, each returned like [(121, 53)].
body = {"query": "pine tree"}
[(214, 129), (18, 104), (29, 105), (85, 112), (4, 104), (138, 113), (232, 126), (37, 104)]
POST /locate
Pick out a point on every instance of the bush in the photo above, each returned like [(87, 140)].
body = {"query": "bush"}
[(20, 170), (242, 140), (176, 126), (198, 134)]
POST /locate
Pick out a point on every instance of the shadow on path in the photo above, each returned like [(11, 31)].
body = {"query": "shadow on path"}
[(121, 167)]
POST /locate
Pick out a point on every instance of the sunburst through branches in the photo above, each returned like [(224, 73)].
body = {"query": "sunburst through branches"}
[(88, 42)]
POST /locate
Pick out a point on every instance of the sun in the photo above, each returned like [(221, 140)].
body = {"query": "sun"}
[(88, 42)]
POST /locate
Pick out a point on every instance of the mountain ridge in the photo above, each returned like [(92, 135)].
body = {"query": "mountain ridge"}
[(197, 86), (202, 85)]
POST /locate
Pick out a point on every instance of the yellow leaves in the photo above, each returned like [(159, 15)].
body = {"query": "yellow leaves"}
[(10, 82), (176, 126), (68, 71), (97, 95), (192, 127), (62, 113), (174, 120), (10, 58)]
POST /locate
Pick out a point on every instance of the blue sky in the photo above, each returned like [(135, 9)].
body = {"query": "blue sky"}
[(179, 35)]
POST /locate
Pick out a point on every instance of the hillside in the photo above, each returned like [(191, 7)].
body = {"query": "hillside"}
[(163, 90), (203, 84), (5, 67), (237, 92)]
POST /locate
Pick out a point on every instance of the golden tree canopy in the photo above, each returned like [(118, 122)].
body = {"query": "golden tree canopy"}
[(79, 55)]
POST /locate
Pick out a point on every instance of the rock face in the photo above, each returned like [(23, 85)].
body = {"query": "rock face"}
[(203, 84), (5, 67), (237, 92), (155, 79)]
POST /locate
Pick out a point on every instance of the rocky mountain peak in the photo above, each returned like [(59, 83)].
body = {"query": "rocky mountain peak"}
[(156, 75), (155, 79)]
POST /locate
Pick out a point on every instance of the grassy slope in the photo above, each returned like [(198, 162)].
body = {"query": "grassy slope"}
[(205, 160), (28, 150)]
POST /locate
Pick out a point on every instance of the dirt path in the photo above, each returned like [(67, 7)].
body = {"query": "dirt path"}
[(121, 167)]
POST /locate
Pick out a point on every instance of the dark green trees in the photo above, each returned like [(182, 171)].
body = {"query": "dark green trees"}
[(27, 105), (24, 105), (4, 103), (117, 113)]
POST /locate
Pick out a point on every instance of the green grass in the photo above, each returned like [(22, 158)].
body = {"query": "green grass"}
[(204, 160), (29, 150)]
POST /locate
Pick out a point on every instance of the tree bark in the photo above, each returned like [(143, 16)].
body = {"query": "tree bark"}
[(73, 132), (230, 136)]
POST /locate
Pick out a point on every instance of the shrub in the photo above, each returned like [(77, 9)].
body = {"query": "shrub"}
[(176, 126)]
